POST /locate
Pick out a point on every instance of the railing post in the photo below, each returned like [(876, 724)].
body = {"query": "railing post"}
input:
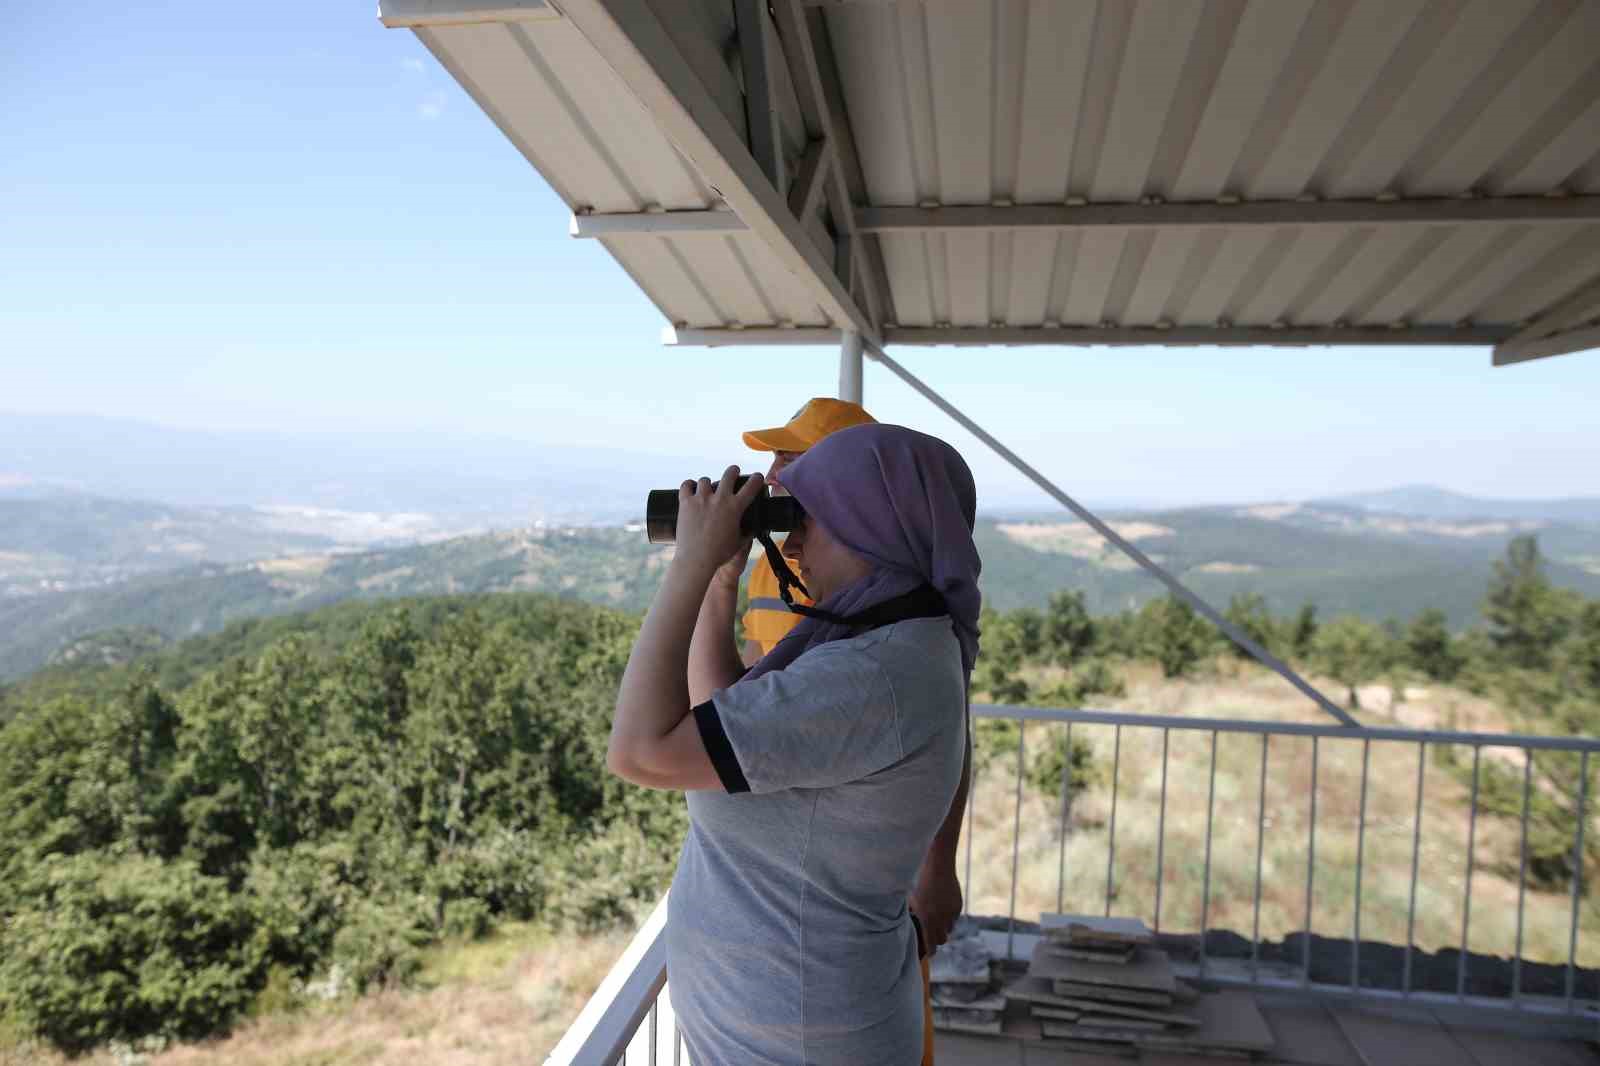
[(1361, 847), (1466, 902), (1261, 846), (1416, 854), (1066, 810), (1522, 875), (1111, 840), (1311, 861), (1577, 874), (1161, 826), (1016, 834), (1205, 883)]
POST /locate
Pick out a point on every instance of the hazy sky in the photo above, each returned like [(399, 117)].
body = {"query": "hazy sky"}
[(291, 218)]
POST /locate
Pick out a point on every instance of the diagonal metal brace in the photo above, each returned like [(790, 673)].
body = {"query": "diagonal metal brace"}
[(1178, 588)]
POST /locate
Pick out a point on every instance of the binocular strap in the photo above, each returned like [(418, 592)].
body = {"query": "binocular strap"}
[(923, 601)]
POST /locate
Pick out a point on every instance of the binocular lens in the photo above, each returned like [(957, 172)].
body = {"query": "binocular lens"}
[(766, 514)]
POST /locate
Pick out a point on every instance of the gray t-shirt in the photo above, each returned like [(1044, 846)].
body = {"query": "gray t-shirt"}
[(788, 937)]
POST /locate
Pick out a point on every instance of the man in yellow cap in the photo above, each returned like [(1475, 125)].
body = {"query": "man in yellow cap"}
[(769, 620), (936, 898)]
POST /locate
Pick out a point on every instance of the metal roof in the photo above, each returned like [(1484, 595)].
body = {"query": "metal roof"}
[(1066, 171)]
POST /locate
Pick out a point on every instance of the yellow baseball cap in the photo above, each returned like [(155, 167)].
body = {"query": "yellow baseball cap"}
[(817, 419)]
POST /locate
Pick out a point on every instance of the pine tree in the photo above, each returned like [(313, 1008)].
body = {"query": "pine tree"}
[(1351, 650), (1430, 648), (1303, 634), (1527, 615)]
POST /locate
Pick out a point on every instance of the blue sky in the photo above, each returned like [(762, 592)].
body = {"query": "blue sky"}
[(291, 218)]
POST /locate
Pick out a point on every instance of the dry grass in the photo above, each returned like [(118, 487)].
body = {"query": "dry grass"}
[(504, 1001), (1074, 877)]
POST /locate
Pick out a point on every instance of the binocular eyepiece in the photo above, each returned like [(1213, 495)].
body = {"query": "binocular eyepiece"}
[(766, 514)]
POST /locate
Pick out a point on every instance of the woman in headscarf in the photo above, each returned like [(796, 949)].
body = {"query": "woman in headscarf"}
[(817, 779)]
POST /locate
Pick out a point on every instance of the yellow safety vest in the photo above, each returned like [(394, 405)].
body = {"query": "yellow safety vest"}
[(768, 620)]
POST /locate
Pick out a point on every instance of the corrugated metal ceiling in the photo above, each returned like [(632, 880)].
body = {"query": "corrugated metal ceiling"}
[(1079, 103), (1036, 101)]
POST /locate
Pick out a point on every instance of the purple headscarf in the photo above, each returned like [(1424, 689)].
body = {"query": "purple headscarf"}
[(905, 502)]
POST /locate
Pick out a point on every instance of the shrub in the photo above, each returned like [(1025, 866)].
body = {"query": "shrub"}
[(299, 897), (1069, 631), (1174, 635), (466, 919), (608, 877), (1047, 769), (504, 868), (379, 944), (125, 948), (1352, 650), (1248, 611), (280, 995), (1096, 678), (1429, 646)]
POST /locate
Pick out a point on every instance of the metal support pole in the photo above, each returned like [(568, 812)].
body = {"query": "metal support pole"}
[(850, 366)]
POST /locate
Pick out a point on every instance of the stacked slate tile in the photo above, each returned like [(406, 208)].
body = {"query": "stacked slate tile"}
[(1103, 984), (966, 995)]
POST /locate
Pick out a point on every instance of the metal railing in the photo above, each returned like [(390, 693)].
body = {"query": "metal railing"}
[(629, 1018), (1513, 748)]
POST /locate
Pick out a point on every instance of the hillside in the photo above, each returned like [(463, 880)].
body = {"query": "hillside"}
[(63, 540), (1342, 560), (612, 567)]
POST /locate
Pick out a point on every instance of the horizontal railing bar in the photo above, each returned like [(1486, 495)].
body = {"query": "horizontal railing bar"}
[(1299, 729)]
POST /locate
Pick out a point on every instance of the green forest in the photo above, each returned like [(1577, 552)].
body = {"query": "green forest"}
[(185, 840), (297, 806)]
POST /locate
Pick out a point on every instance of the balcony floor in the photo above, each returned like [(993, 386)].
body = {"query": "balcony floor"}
[(1311, 1034)]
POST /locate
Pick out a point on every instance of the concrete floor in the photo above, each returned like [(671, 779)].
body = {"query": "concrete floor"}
[(1312, 1034)]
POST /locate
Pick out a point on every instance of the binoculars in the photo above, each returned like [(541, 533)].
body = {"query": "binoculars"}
[(766, 514)]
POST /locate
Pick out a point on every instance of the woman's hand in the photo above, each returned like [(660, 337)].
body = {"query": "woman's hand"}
[(708, 520), (729, 573)]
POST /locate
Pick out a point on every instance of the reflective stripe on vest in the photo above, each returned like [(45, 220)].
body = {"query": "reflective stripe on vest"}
[(768, 603)]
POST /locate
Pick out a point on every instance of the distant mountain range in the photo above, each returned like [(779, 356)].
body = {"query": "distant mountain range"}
[(249, 524), (454, 478), (1428, 501), (1342, 558)]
